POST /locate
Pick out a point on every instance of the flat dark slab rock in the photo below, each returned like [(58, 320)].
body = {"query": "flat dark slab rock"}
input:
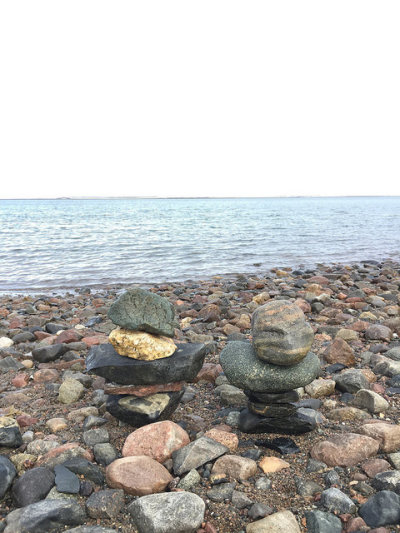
[(291, 425), (138, 412), (283, 445), (183, 365)]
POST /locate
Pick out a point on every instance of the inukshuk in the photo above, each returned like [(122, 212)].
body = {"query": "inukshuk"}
[(271, 367), (145, 369)]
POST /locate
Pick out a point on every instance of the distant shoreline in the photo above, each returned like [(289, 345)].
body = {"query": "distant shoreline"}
[(202, 197)]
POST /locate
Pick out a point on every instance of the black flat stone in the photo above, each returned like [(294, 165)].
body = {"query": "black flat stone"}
[(270, 397), (272, 410), (283, 445), (138, 412), (292, 425), (183, 365)]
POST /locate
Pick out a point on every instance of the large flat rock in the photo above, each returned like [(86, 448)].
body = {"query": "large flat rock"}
[(183, 365), (245, 370)]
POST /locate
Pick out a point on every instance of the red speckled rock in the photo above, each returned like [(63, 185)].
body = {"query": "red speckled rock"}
[(388, 435), (158, 441), (67, 336), (346, 449)]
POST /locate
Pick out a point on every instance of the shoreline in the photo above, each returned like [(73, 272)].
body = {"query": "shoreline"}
[(228, 276), (357, 303)]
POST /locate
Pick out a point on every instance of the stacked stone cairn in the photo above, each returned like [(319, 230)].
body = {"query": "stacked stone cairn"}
[(145, 369), (269, 369)]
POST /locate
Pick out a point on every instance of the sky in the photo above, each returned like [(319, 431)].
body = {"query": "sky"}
[(190, 98)]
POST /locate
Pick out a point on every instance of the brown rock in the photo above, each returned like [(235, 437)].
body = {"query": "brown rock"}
[(378, 332), (272, 464), (339, 352), (209, 372), (143, 390), (67, 336), (356, 524), (138, 475), (210, 313), (347, 449), (46, 375), (388, 435), (158, 441), (141, 345), (235, 466), (228, 439), (56, 424), (20, 380), (373, 466)]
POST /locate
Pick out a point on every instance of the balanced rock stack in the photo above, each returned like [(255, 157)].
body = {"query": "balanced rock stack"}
[(144, 366), (268, 370)]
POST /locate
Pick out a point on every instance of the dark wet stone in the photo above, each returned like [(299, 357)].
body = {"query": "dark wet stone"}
[(9, 363), (52, 328), (10, 437), (383, 508), (283, 445), (137, 309), (141, 411), (32, 486), (392, 391), (183, 365), (253, 453), (66, 481), (104, 453), (49, 353), (336, 367), (47, 516), (293, 425), (307, 487), (24, 336), (7, 474), (351, 381), (245, 370), (85, 468), (320, 522), (272, 410), (221, 493), (259, 510), (273, 398), (105, 503)]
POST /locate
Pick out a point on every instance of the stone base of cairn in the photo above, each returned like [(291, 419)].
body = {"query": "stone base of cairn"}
[(270, 368), (146, 371)]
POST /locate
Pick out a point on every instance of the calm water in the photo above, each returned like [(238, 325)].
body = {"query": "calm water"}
[(69, 243)]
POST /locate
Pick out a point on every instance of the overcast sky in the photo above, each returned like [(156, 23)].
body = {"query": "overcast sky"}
[(199, 98)]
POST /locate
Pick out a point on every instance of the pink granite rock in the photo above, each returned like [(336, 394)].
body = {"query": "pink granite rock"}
[(347, 449), (158, 441), (138, 476)]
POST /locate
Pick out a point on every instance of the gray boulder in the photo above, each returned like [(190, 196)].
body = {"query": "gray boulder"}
[(180, 512), (47, 516)]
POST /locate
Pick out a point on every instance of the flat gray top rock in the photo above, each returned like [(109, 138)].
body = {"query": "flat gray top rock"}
[(245, 370), (137, 309), (183, 365)]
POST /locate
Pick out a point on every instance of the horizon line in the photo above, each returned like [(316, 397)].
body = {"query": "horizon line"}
[(151, 197)]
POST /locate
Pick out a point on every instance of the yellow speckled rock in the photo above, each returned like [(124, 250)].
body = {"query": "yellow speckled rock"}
[(141, 345)]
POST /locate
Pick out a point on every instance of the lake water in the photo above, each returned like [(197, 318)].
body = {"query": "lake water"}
[(71, 243)]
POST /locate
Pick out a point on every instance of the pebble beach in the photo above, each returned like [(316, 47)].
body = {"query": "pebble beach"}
[(344, 475)]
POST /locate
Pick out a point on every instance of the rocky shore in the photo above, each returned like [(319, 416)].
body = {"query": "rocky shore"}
[(67, 464)]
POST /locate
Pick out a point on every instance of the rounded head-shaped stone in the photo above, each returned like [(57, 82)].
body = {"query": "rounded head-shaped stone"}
[(137, 309), (281, 334)]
